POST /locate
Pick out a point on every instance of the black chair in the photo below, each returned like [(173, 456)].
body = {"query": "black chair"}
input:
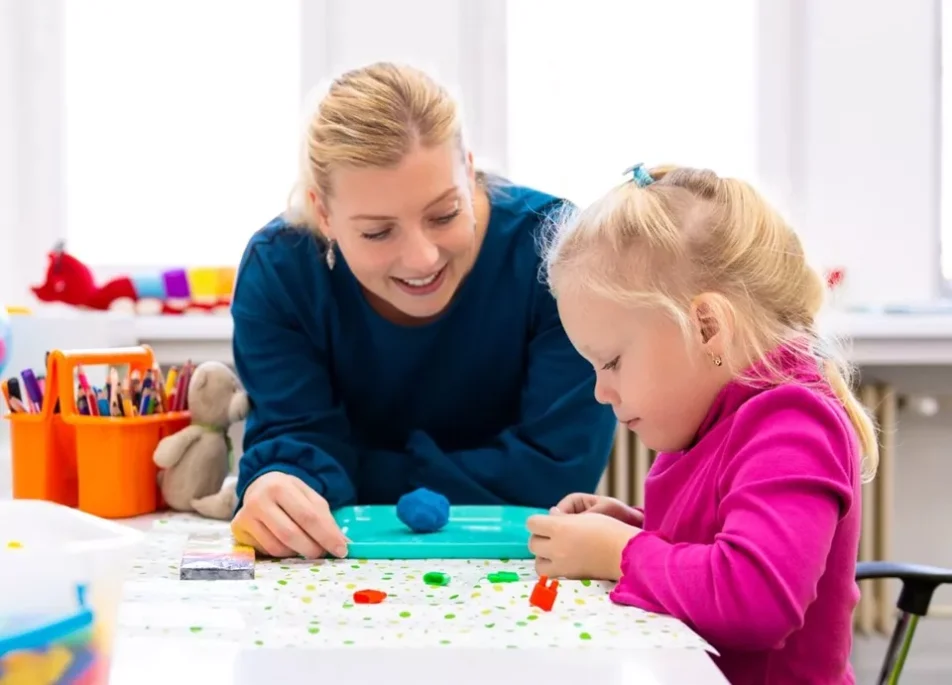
[(918, 585)]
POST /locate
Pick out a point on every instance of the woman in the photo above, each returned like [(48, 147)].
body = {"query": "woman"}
[(392, 331)]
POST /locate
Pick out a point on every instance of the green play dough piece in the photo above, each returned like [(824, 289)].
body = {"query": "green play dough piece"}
[(503, 577), (436, 578)]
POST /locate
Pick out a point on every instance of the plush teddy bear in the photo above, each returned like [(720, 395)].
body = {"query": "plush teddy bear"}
[(197, 459)]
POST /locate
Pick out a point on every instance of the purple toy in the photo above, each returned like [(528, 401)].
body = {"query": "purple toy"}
[(423, 511)]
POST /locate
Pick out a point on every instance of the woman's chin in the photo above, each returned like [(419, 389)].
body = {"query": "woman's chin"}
[(424, 311)]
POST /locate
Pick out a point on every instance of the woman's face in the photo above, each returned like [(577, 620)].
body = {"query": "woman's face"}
[(408, 233)]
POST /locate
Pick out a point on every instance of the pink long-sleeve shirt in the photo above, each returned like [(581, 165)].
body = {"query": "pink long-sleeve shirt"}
[(751, 534)]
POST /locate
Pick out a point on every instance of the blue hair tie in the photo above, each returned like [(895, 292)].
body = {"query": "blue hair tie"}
[(640, 175)]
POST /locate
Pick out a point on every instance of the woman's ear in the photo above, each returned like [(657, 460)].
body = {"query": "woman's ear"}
[(471, 173), (319, 211)]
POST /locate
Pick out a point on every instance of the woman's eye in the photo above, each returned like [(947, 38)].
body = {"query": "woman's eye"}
[(379, 235), (446, 218), (613, 364)]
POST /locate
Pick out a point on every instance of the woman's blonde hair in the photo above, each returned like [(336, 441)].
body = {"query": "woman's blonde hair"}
[(681, 232), (370, 117)]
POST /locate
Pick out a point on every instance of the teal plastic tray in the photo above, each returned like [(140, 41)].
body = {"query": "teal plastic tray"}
[(473, 532)]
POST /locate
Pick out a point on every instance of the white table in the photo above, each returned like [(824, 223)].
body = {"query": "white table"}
[(145, 661), (212, 632)]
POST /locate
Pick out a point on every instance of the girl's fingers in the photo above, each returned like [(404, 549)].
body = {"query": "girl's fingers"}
[(544, 567), (540, 546)]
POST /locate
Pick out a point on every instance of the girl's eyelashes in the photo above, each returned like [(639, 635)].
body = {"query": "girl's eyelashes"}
[(613, 364)]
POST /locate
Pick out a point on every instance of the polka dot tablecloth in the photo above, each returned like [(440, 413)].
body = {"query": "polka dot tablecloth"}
[(297, 603)]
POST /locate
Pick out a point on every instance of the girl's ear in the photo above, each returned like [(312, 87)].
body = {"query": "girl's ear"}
[(706, 322), (711, 317)]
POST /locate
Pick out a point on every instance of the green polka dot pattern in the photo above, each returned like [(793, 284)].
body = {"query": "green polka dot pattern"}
[(297, 603)]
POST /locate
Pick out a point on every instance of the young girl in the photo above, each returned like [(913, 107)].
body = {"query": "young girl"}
[(692, 299)]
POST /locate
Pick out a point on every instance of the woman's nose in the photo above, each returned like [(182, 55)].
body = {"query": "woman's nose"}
[(421, 255)]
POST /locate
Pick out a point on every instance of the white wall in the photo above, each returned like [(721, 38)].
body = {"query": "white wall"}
[(460, 42), (850, 137), (871, 143)]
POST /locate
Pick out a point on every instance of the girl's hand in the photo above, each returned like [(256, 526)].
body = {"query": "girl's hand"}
[(586, 503), (579, 546), (282, 517)]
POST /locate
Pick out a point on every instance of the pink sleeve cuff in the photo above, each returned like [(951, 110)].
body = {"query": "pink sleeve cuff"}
[(643, 556)]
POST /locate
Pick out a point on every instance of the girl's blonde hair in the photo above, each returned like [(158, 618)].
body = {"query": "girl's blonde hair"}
[(370, 117), (683, 232)]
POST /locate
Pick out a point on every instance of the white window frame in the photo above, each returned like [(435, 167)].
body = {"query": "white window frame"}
[(944, 103), (33, 37)]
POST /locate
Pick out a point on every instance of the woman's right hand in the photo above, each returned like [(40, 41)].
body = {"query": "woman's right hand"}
[(282, 517), (587, 503)]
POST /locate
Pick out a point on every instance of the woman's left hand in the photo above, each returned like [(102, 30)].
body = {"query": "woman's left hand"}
[(579, 545)]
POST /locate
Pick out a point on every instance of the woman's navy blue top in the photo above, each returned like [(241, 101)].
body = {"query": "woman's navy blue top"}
[(488, 404)]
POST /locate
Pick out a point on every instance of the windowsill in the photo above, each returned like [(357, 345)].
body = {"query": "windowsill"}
[(872, 338), (857, 325), (184, 328)]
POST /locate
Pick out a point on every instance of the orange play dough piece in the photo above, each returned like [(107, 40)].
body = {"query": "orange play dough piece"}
[(369, 596)]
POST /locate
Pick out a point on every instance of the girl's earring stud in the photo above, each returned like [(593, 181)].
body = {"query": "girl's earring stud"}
[(717, 360)]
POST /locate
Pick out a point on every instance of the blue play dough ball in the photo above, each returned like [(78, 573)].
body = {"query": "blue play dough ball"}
[(423, 511)]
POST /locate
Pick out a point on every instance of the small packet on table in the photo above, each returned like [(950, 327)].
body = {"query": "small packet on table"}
[(216, 557)]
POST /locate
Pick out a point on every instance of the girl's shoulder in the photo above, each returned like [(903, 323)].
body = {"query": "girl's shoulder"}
[(798, 422)]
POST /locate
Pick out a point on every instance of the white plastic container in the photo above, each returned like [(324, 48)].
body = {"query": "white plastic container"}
[(61, 578)]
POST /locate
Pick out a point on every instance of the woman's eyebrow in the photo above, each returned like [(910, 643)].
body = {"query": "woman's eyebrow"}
[(445, 194), (376, 217)]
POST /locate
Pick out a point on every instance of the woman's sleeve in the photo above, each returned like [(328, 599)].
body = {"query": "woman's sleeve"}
[(560, 445), (296, 424)]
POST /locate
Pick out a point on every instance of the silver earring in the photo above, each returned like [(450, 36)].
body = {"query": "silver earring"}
[(330, 256)]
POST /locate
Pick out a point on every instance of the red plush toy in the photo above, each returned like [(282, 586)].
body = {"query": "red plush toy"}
[(70, 281)]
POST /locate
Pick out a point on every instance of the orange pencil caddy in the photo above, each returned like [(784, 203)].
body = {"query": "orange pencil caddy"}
[(99, 464)]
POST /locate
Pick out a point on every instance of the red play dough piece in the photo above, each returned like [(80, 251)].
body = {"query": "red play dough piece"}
[(369, 596), (544, 593)]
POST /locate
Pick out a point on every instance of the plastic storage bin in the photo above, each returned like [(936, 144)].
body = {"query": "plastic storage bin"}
[(62, 571), (99, 464)]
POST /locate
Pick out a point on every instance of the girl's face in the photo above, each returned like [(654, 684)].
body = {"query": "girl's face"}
[(659, 382), (408, 233)]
